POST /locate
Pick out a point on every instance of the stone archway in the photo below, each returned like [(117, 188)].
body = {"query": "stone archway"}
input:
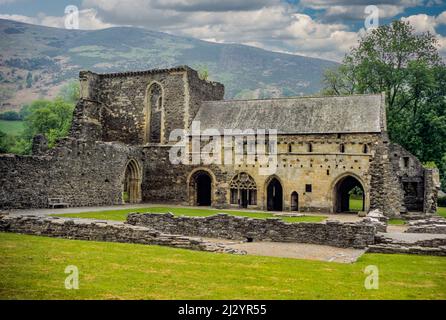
[(342, 194), (132, 183), (200, 186), (294, 201), (274, 195)]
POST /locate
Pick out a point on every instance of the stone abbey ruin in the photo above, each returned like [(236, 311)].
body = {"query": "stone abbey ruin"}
[(118, 151)]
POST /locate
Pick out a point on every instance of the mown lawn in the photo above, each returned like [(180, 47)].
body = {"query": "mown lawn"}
[(11, 127), (33, 267), (121, 215), (397, 222), (355, 204), (442, 212)]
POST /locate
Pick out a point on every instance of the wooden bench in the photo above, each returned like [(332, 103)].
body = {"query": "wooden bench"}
[(57, 202)]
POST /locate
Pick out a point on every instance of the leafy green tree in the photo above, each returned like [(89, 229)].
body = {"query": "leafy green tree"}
[(50, 118), (70, 92), (203, 72), (10, 116), (407, 67), (6, 142)]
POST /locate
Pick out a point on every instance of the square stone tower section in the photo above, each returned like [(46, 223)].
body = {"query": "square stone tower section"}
[(140, 108)]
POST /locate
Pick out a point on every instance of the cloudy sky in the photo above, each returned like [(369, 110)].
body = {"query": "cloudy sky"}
[(317, 28)]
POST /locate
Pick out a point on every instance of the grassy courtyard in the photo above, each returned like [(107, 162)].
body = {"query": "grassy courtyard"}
[(121, 215), (33, 267)]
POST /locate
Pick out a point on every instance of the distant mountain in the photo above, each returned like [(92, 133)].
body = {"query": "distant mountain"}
[(36, 61)]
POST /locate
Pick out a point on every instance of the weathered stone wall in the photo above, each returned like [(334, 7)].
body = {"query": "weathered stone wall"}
[(431, 189), (119, 103), (333, 233), (104, 231), (296, 167), (418, 185), (386, 194), (84, 173)]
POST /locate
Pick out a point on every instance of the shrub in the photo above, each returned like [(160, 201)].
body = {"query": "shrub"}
[(10, 116)]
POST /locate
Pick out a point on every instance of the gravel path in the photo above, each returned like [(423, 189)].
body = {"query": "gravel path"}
[(412, 237), (298, 251)]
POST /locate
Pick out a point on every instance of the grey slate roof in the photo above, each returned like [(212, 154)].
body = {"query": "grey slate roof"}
[(340, 114)]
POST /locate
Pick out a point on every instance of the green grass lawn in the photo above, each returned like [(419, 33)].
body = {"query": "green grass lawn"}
[(397, 222), (11, 127), (442, 212), (355, 204), (121, 215), (33, 267)]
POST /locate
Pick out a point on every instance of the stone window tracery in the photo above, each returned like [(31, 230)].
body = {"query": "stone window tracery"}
[(243, 190)]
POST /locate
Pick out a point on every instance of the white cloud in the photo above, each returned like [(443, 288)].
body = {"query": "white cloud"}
[(268, 24), (441, 19), (341, 10), (88, 20), (424, 23)]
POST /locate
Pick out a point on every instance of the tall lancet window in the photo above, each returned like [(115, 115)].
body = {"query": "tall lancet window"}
[(154, 113)]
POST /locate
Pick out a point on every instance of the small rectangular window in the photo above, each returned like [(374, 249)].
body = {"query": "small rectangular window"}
[(310, 147), (365, 149), (406, 162), (308, 188)]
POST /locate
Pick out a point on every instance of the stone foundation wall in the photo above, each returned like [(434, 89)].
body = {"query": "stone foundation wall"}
[(434, 225), (333, 233), (104, 231)]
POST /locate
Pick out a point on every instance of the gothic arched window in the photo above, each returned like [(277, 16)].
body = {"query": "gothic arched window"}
[(154, 102), (243, 190)]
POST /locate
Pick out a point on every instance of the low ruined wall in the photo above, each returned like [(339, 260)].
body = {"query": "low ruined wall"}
[(434, 225), (432, 247), (104, 231), (333, 233)]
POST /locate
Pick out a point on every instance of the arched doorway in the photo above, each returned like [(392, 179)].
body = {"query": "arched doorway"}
[(294, 201), (349, 195), (243, 190), (201, 188), (274, 195), (132, 183)]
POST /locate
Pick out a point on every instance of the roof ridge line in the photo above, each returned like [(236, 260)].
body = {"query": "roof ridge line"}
[(299, 97)]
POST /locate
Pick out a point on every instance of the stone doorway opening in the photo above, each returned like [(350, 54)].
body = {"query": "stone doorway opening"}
[(349, 195), (274, 195), (132, 183), (201, 186), (294, 201)]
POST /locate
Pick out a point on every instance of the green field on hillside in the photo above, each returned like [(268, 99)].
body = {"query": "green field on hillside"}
[(13, 128)]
